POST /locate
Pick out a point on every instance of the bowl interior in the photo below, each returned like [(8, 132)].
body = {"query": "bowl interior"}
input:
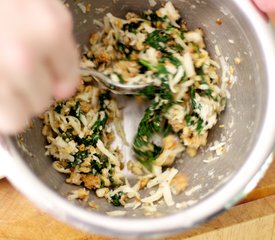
[(241, 119)]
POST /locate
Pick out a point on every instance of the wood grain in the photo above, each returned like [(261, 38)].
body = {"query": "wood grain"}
[(266, 187), (20, 220), (247, 221), (254, 219)]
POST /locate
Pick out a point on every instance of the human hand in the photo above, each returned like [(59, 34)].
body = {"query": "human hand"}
[(38, 59), (267, 6)]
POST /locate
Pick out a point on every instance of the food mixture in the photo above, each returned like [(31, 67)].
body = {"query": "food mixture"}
[(186, 96)]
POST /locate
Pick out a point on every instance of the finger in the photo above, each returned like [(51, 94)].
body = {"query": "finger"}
[(13, 111), (58, 44), (64, 63), (36, 87), (65, 17), (47, 20), (27, 74)]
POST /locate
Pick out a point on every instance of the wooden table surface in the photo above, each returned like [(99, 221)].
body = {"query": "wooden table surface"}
[(253, 219)]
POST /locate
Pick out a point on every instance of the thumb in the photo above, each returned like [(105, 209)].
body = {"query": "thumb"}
[(267, 6)]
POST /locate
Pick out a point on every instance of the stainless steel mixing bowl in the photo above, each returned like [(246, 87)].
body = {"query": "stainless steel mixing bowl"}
[(249, 131)]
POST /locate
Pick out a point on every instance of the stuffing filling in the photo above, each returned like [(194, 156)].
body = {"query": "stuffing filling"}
[(186, 98)]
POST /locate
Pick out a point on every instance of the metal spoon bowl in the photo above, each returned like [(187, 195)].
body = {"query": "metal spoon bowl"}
[(106, 83)]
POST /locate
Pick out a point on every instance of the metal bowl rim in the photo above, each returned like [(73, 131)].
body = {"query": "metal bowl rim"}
[(21, 176)]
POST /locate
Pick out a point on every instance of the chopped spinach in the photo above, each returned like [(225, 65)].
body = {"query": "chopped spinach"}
[(131, 27), (157, 37), (121, 79), (161, 70), (171, 59), (188, 119), (78, 158), (75, 111), (97, 129), (100, 123), (146, 151), (98, 163), (75, 163), (123, 48), (182, 35), (67, 135), (149, 92), (208, 91), (59, 107), (178, 48), (184, 77), (154, 18), (167, 129), (81, 154), (199, 125), (193, 96), (146, 64), (102, 98), (115, 199), (170, 27), (196, 48), (126, 50), (96, 167)]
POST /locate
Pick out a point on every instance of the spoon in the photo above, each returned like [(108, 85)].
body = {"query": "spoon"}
[(106, 83)]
